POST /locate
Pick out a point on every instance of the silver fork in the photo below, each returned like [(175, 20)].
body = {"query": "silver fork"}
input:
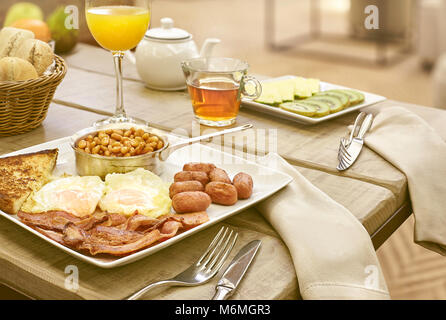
[(204, 269), (355, 128), (343, 156)]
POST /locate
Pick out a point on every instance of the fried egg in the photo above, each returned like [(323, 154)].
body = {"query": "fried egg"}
[(76, 195), (139, 191)]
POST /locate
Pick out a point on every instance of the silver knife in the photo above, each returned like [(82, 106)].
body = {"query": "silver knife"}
[(236, 270), (355, 147)]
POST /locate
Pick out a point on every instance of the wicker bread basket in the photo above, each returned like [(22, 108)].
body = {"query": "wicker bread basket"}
[(24, 104)]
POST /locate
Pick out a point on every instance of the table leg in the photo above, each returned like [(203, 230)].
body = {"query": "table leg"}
[(391, 225)]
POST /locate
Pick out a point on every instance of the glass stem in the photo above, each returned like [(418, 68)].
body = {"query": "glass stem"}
[(120, 112)]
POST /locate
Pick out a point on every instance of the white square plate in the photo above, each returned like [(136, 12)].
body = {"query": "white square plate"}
[(369, 99), (266, 182)]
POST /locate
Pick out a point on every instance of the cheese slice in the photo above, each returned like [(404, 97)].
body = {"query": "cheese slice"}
[(286, 89), (315, 85), (302, 88), (277, 92), (270, 94)]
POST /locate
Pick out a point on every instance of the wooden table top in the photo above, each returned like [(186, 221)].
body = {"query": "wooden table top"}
[(372, 190), (312, 147)]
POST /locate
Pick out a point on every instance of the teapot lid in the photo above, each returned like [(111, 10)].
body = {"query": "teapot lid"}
[(167, 31)]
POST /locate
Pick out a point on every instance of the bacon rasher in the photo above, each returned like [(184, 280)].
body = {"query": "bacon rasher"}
[(114, 234)]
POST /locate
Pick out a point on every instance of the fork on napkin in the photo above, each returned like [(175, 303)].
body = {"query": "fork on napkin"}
[(349, 150)]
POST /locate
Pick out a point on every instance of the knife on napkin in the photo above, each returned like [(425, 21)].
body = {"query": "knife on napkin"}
[(236, 270)]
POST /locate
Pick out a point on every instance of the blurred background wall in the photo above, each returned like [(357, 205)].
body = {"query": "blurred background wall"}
[(248, 27)]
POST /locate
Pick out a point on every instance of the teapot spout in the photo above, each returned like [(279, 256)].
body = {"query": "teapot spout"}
[(208, 47)]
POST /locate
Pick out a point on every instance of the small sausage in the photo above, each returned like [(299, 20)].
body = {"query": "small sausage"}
[(222, 193), (198, 166), (191, 201), (219, 175), (184, 186), (244, 185), (192, 176)]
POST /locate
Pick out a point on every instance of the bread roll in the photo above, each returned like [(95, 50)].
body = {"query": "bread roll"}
[(16, 69), (38, 53), (11, 39)]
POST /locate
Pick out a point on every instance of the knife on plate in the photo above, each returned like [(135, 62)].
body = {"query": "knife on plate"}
[(355, 147), (236, 270)]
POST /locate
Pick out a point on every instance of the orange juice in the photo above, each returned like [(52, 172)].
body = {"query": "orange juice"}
[(118, 28)]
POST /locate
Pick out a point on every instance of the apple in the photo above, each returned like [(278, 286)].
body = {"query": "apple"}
[(23, 10), (65, 39)]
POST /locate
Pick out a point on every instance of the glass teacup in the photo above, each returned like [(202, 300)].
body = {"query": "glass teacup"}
[(216, 86)]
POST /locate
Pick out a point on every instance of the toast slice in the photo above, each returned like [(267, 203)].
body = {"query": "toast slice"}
[(23, 174)]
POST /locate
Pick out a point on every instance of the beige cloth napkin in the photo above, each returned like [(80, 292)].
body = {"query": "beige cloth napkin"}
[(410, 144), (332, 252)]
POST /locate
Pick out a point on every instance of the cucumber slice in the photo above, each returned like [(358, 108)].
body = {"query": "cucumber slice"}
[(297, 107), (334, 102), (356, 97), (322, 108), (345, 98)]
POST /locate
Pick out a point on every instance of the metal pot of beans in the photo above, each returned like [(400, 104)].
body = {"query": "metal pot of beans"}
[(124, 147)]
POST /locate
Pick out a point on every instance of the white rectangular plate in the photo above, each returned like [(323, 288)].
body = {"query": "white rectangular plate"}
[(369, 100), (266, 182)]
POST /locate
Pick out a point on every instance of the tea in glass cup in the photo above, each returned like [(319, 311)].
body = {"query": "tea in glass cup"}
[(216, 86)]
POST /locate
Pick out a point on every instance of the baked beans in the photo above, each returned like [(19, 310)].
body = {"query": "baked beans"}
[(120, 143)]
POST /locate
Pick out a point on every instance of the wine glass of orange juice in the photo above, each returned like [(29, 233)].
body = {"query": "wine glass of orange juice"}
[(118, 26)]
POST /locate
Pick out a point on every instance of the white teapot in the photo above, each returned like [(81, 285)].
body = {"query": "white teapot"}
[(159, 55)]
